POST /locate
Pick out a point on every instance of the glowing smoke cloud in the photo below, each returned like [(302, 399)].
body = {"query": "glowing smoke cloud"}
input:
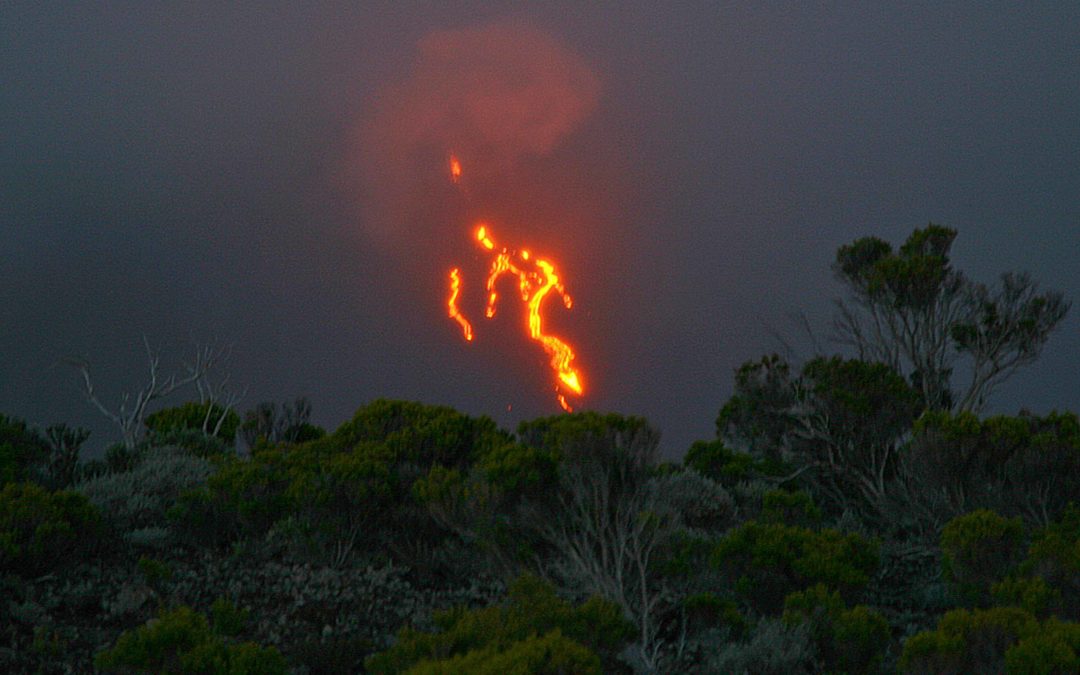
[(495, 94)]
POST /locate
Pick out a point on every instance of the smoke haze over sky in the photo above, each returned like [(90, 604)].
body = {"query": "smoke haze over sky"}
[(274, 177)]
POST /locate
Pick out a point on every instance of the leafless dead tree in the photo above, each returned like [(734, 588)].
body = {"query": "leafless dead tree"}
[(130, 414)]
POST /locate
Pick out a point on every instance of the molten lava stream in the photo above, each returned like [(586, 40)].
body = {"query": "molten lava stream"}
[(536, 280)]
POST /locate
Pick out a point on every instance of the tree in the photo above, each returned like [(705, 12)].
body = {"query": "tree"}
[(609, 515), (839, 423), (912, 310), (1021, 465), (130, 414), (22, 450), (289, 424)]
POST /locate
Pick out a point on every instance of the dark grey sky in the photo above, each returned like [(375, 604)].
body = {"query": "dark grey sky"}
[(207, 173)]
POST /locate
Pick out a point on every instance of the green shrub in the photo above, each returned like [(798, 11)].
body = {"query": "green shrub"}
[(227, 619), (847, 640), (978, 549), (198, 417), (768, 561), (156, 572), (417, 435), (1011, 464), (1054, 555), (532, 608), (1041, 655), (22, 450), (708, 610), (790, 508), (772, 648), (141, 497), (728, 467), (39, 530), (968, 641), (549, 654), (181, 641), (1030, 593)]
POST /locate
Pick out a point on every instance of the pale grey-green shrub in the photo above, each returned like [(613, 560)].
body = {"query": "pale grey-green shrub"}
[(137, 500), (702, 503), (772, 649)]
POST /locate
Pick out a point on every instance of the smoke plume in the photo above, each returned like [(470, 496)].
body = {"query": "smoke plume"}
[(494, 95)]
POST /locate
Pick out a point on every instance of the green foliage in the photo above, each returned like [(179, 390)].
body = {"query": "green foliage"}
[(41, 530), (506, 635), (1055, 649), (773, 648), (181, 641), (968, 641), (65, 444), (337, 498), (708, 610), (138, 499), (22, 450), (418, 435), (193, 416), (156, 572), (592, 437), (837, 425), (549, 654), (728, 467), (768, 561), (1041, 655), (791, 508), (978, 549), (267, 425), (847, 640), (120, 458), (227, 619), (1054, 556), (915, 312), (758, 415), (1015, 465), (1030, 593)]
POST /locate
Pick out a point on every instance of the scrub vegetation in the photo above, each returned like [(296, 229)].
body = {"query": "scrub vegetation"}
[(854, 513)]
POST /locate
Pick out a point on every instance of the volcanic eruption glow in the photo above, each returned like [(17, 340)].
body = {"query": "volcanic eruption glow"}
[(536, 279)]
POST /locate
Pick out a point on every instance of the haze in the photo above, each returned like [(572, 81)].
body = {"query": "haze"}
[(275, 179)]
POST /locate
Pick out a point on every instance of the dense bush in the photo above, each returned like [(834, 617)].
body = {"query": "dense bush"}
[(183, 641), (729, 467), (848, 640), (768, 561), (22, 450), (1030, 593), (506, 634), (1001, 639), (1016, 466), (1054, 556), (772, 648), (549, 654), (978, 549), (41, 530), (208, 418), (791, 508), (139, 499)]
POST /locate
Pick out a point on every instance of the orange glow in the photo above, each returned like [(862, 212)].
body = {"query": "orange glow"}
[(455, 169), (536, 280), (455, 288)]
